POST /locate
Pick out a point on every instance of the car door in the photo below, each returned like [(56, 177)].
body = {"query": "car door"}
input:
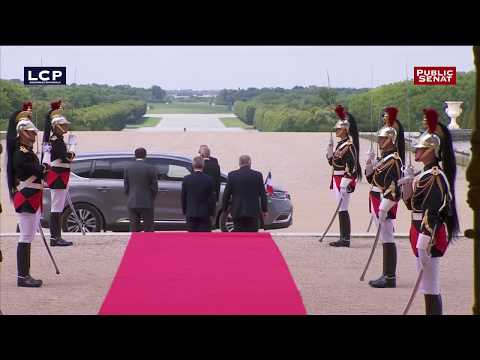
[(168, 205), (107, 181)]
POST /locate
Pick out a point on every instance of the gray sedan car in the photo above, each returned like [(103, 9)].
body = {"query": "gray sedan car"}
[(96, 190)]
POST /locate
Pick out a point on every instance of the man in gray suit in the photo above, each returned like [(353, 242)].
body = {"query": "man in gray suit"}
[(141, 187)]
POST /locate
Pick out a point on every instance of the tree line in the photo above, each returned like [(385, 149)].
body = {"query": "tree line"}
[(310, 109), (82, 102)]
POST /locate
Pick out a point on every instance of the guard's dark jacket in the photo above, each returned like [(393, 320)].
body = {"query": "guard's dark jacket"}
[(344, 164), (430, 205), (246, 190), (27, 170), (58, 176), (384, 181)]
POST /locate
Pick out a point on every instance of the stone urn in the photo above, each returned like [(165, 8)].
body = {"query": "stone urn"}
[(453, 110)]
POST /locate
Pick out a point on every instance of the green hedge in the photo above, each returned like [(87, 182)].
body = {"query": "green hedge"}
[(420, 97), (304, 109), (283, 118), (109, 116)]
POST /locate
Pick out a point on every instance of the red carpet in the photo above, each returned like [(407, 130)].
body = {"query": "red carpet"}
[(203, 273)]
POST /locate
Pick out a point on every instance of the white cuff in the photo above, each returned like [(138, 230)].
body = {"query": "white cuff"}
[(47, 159), (386, 204), (345, 182), (423, 241)]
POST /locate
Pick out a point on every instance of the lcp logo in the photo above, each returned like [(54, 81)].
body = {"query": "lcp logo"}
[(435, 75), (45, 75)]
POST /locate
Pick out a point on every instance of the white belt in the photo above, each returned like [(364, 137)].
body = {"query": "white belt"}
[(29, 183), (339, 172), (376, 189), (417, 216), (59, 163)]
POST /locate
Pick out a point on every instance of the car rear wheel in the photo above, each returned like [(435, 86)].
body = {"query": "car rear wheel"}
[(89, 216)]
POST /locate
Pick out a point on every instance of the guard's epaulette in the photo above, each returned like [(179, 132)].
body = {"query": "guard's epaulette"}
[(23, 149)]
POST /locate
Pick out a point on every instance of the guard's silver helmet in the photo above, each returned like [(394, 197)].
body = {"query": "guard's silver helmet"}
[(24, 122), (388, 131), (58, 118), (429, 141)]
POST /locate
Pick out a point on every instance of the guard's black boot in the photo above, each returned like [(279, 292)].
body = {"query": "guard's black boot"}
[(344, 221), (433, 304), (388, 279), (56, 230), (23, 267)]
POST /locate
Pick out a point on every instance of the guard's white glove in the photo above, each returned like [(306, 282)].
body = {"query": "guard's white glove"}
[(384, 208), (344, 185), (409, 172), (371, 163), (406, 184), (47, 157), (370, 156), (422, 247), (330, 150), (72, 141), (369, 168)]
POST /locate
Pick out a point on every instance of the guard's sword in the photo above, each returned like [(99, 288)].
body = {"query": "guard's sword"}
[(333, 218), (48, 249), (370, 224), (372, 252), (371, 139), (409, 123), (419, 278), (414, 292), (72, 141), (330, 97), (75, 215)]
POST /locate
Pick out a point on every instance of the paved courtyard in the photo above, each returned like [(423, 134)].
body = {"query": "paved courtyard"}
[(328, 278)]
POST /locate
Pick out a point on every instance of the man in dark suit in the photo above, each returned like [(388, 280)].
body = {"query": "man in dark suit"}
[(245, 188), (212, 168), (198, 198), (141, 187)]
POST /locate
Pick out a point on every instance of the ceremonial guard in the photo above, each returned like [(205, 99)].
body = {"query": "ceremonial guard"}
[(55, 153), (384, 175), (25, 174), (431, 197), (345, 169)]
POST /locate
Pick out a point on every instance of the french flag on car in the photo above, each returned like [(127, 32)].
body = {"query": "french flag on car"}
[(268, 183)]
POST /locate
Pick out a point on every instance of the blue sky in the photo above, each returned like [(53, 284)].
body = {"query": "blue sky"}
[(217, 67)]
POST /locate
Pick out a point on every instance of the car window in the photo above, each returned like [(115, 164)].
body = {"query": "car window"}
[(118, 167), (177, 172), (102, 169), (110, 168), (169, 169), (82, 168)]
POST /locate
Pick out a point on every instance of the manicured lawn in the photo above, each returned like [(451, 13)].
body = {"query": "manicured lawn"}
[(186, 108), (235, 122), (149, 122)]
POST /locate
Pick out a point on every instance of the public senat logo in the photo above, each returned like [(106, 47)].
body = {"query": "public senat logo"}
[(36, 75), (435, 75)]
